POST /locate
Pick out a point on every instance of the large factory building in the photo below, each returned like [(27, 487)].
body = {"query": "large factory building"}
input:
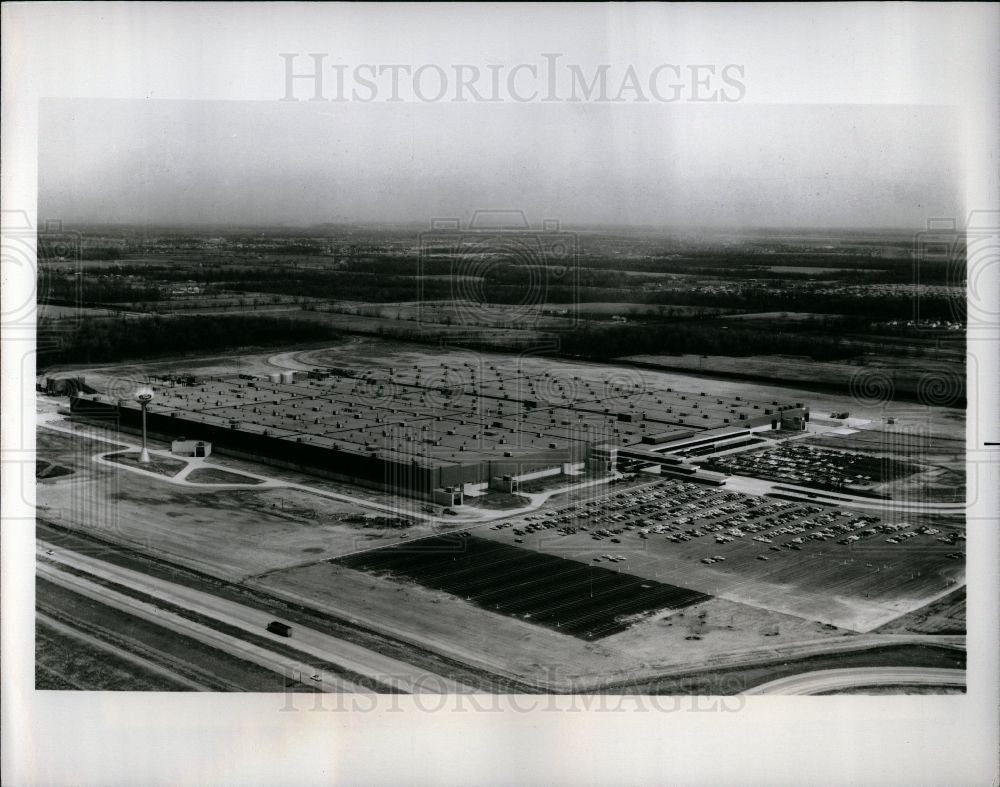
[(436, 432)]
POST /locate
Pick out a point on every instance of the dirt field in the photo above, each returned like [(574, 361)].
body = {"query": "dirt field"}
[(944, 616)]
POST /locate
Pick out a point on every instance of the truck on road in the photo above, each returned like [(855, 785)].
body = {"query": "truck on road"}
[(279, 628)]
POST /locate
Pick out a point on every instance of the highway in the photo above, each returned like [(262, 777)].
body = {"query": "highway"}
[(278, 663), (309, 642), (861, 677)]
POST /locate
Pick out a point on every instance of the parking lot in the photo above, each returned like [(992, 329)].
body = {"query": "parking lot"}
[(823, 562), (588, 602), (678, 511), (818, 467)]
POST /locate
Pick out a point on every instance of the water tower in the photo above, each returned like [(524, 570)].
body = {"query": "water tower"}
[(144, 396)]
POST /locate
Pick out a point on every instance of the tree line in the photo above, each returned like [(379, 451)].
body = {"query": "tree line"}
[(121, 338)]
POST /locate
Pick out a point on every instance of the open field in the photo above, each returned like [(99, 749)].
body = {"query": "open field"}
[(890, 376), (513, 646), (64, 661), (48, 311)]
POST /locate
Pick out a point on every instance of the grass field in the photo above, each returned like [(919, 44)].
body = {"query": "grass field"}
[(164, 465), (214, 475), (44, 469), (66, 662)]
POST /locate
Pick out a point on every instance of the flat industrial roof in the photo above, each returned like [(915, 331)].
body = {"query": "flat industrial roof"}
[(455, 413)]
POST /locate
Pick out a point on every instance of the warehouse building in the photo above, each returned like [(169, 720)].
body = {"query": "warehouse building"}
[(436, 432)]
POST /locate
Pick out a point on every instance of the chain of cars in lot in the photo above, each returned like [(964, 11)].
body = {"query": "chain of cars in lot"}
[(811, 465), (681, 511)]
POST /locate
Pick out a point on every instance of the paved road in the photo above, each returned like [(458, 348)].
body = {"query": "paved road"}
[(757, 486), (278, 663), (355, 658), (838, 679)]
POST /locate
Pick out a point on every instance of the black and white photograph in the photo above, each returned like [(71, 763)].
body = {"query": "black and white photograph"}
[(473, 362)]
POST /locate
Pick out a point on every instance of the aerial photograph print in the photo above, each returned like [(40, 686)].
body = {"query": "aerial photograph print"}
[(625, 397)]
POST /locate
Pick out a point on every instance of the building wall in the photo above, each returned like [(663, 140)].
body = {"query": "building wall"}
[(363, 469)]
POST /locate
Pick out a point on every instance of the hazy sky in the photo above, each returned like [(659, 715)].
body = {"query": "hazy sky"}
[(647, 164)]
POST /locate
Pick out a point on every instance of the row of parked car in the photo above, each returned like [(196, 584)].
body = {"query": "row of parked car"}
[(682, 511)]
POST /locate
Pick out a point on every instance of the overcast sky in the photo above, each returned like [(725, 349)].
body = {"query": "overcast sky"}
[(671, 165)]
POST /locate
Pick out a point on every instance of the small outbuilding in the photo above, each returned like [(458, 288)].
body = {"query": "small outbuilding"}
[(185, 447)]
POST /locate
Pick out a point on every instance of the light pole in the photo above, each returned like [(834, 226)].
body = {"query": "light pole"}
[(143, 396)]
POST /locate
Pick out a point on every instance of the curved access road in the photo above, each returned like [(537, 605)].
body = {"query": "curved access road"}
[(860, 677)]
